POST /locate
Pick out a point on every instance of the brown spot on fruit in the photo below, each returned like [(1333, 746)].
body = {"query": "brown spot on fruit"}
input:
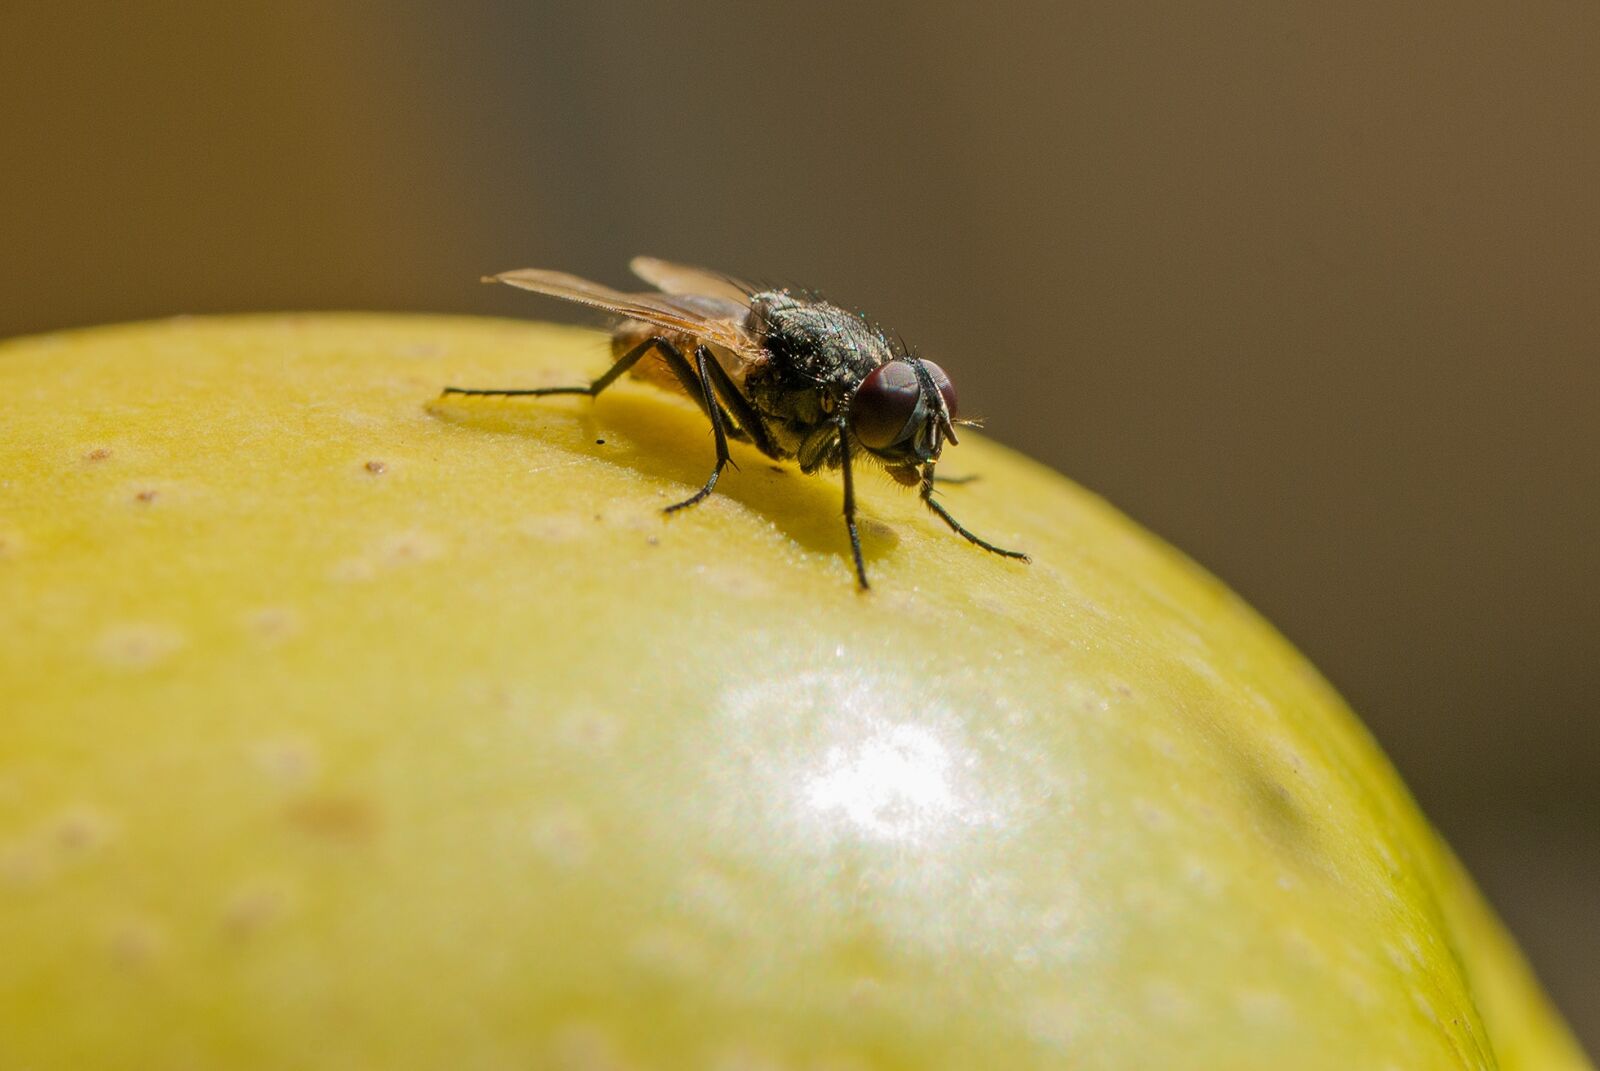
[(81, 830), (349, 819), (134, 943)]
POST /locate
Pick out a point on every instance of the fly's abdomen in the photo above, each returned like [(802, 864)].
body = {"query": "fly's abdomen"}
[(652, 368)]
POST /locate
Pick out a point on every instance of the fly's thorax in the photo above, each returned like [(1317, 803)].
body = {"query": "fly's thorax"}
[(814, 343), (814, 355)]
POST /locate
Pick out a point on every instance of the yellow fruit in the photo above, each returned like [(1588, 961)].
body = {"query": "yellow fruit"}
[(344, 729)]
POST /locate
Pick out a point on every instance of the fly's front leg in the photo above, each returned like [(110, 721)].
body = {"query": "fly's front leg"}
[(955, 525), (850, 503), (704, 360)]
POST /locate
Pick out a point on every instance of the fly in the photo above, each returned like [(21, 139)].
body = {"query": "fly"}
[(792, 375)]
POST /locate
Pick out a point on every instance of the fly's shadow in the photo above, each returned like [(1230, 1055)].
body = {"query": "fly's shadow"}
[(667, 441)]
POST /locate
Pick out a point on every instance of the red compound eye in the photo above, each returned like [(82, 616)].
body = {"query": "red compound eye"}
[(946, 388), (885, 404)]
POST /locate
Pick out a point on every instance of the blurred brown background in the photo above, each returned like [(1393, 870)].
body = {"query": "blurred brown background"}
[(1311, 289)]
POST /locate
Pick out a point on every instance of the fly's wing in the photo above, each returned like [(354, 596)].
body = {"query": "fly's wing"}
[(682, 279), (657, 309)]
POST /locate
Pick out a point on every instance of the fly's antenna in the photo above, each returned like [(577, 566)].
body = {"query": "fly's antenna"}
[(931, 390)]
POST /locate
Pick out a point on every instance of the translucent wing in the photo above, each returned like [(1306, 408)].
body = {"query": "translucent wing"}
[(682, 279), (658, 309)]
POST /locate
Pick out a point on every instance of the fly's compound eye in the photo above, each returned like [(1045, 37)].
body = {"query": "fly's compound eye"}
[(885, 405), (947, 389)]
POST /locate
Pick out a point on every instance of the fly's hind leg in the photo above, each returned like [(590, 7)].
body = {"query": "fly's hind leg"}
[(674, 360), (623, 363), (955, 525), (698, 385)]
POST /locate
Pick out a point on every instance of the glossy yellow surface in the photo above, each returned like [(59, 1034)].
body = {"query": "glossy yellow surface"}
[(346, 730)]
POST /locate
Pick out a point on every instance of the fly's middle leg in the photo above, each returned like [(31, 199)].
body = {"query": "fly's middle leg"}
[(713, 408)]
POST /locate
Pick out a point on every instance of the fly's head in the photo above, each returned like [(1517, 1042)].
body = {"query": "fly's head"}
[(903, 413)]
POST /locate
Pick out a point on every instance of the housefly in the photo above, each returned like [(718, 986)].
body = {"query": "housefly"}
[(789, 373)]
